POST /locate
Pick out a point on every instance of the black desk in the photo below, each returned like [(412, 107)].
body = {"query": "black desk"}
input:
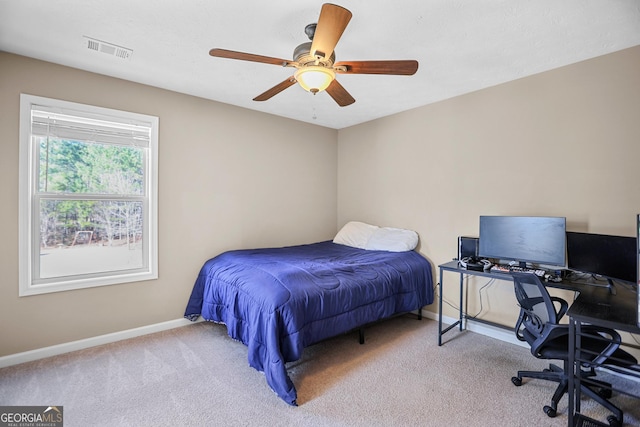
[(599, 307), (454, 267), (594, 304)]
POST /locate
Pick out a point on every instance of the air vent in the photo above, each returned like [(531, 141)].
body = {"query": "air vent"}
[(108, 48)]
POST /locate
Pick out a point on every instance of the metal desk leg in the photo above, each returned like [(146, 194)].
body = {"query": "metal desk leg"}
[(572, 373), (441, 332), (461, 307), (440, 310)]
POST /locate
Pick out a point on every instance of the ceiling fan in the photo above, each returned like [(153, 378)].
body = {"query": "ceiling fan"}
[(314, 61)]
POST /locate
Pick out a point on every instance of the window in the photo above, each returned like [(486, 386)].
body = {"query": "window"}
[(88, 196)]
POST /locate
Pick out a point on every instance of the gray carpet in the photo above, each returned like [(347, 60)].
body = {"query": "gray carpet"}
[(198, 376)]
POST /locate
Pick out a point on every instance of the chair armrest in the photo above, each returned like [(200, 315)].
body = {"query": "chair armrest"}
[(551, 332), (564, 306), (519, 327), (614, 341)]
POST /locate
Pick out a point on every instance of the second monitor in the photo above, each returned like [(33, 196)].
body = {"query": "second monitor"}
[(613, 257)]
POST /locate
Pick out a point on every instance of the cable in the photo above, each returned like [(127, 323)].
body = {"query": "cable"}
[(455, 307), (489, 283)]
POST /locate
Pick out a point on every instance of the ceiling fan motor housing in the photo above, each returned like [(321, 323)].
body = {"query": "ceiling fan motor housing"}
[(302, 55)]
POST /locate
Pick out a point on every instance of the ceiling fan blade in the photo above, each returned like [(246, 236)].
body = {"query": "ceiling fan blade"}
[(340, 94), (232, 54), (403, 68), (331, 24), (275, 90)]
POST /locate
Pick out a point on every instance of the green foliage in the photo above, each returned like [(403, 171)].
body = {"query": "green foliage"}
[(80, 167), (88, 169)]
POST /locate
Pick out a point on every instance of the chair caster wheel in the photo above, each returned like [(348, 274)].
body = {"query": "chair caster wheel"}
[(549, 411), (516, 381), (613, 421)]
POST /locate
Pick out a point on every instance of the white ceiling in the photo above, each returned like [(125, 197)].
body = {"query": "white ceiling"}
[(461, 45)]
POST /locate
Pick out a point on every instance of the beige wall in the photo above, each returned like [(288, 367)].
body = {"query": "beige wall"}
[(565, 142), (561, 143), (228, 178)]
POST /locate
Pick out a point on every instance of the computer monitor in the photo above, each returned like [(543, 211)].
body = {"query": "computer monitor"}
[(525, 239), (612, 257)]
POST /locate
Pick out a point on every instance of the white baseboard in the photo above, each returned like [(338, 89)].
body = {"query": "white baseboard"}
[(54, 350), (480, 328)]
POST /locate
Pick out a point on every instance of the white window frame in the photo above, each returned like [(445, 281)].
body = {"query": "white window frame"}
[(29, 236)]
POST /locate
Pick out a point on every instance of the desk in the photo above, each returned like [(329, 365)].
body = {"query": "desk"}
[(593, 305), (454, 267), (598, 307)]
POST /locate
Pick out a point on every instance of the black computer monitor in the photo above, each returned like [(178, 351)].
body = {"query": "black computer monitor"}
[(525, 239), (612, 257)]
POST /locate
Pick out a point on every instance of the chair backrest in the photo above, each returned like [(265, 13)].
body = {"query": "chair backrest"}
[(537, 309)]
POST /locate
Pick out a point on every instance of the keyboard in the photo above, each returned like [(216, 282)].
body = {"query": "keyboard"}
[(499, 269), (496, 268)]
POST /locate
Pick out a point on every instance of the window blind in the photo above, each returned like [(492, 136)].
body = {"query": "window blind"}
[(81, 126)]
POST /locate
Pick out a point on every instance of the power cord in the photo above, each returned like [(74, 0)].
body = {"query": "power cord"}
[(455, 307), (486, 285)]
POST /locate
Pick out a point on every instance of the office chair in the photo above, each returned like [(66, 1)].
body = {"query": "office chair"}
[(539, 325)]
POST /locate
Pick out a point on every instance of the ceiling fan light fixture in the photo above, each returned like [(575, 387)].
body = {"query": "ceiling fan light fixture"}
[(315, 71), (314, 78)]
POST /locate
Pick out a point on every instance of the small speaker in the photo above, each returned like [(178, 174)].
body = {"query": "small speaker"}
[(468, 247)]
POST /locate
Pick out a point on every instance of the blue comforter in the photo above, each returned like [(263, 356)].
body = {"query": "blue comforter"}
[(278, 301)]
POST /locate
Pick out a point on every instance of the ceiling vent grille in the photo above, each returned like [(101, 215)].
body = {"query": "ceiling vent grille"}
[(108, 48)]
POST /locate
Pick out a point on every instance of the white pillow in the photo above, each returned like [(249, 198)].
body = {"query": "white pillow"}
[(355, 234), (371, 237), (393, 240)]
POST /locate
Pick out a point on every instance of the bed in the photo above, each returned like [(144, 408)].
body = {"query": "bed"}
[(277, 301)]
